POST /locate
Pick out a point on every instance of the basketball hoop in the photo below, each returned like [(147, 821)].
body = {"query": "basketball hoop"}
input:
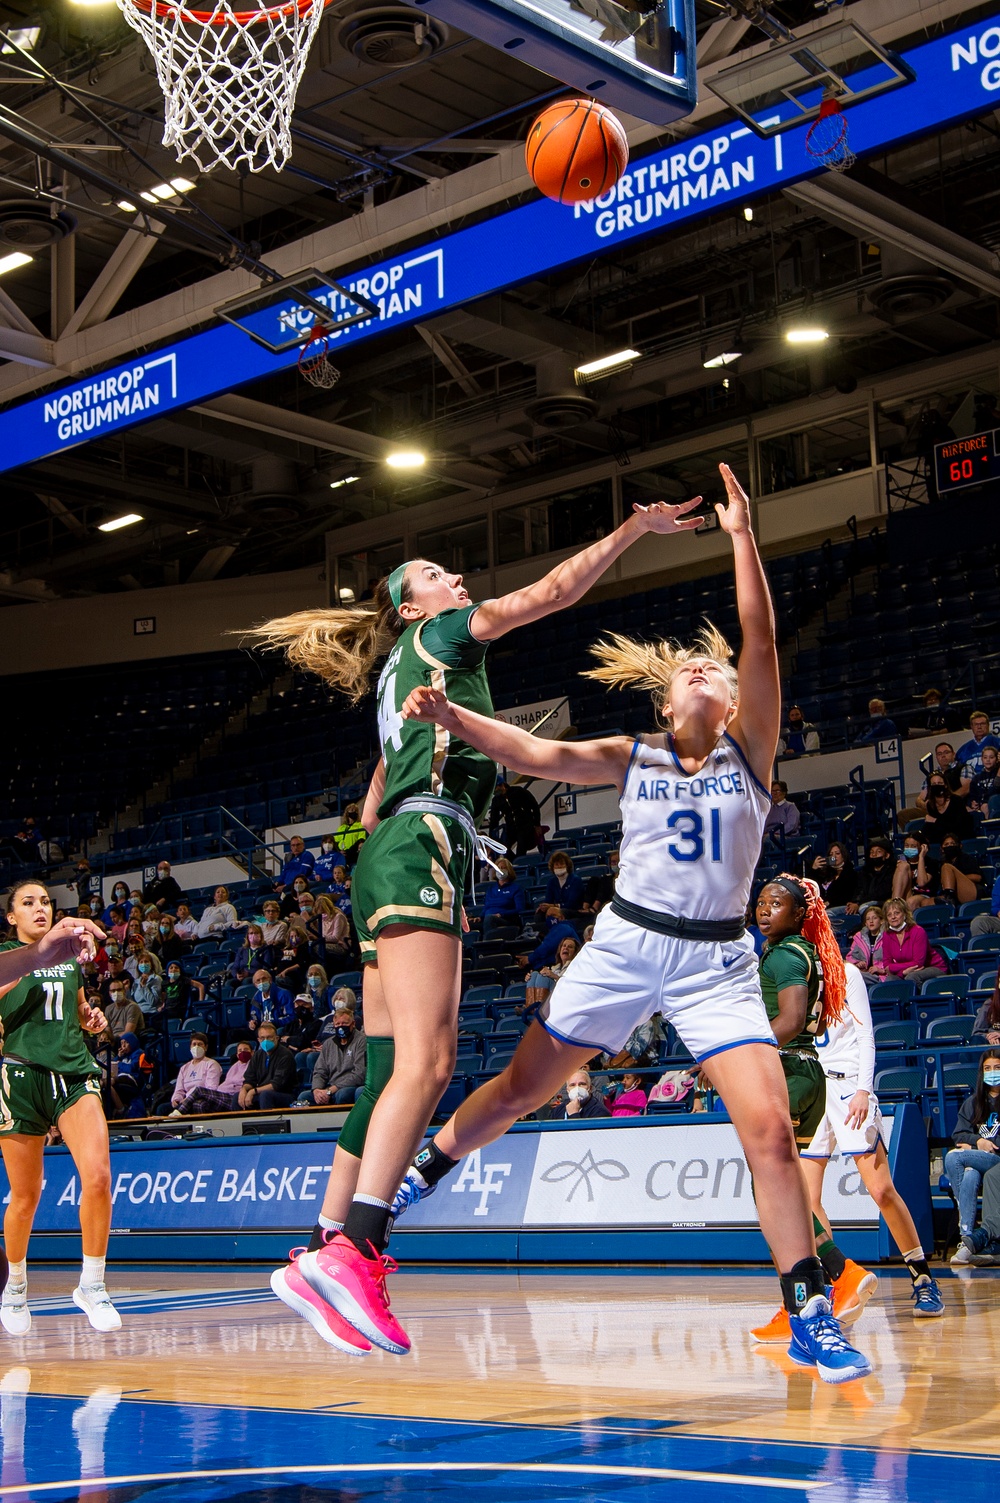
[(315, 365), (229, 77), (828, 138)]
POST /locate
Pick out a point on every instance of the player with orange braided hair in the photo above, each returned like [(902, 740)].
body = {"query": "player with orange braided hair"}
[(816, 928)]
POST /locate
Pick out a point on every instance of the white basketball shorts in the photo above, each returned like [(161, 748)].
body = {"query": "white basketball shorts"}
[(710, 992), (833, 1132)]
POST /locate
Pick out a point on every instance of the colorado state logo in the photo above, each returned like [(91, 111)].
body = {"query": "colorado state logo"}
[(429, 896)]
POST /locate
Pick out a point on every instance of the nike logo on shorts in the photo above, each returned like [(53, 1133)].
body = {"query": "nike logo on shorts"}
[(728, 960)]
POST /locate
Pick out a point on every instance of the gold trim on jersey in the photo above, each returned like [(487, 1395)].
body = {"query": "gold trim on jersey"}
[(6, 1118), (445, 911), (421, 650)]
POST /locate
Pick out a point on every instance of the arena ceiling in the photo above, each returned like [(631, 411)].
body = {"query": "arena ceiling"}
[(401, 129)]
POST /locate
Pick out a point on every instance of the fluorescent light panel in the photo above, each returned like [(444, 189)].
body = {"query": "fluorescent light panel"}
[(726, 358), (116, 522), (406, 459), (347, 480), (807, 335), (22, 36), (13, 261), (608, 363)]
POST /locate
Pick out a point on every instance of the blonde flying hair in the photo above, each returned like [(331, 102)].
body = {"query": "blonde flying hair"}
[(339, 646), (624, 663)]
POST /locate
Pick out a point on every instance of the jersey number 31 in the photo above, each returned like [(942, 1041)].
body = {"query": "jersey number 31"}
[(688, 843)]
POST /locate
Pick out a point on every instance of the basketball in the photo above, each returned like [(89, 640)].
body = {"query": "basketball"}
[(576, 150)]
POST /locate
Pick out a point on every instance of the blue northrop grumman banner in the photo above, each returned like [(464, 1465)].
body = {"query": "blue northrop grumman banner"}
[(956, 76)]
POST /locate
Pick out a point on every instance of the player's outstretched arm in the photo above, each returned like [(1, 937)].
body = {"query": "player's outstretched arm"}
[(70, 939), (592, 762), (569, 581), (758, 718)]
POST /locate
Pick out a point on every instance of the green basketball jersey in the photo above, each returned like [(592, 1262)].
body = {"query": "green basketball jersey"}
[(793, 961), (424, 759), (40, 1019)]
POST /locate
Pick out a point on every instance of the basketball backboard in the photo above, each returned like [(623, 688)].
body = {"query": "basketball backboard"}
[(281, 315), (785, 86), (637, 56)]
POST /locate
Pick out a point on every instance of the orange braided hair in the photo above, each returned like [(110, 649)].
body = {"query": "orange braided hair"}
[(817, 929)]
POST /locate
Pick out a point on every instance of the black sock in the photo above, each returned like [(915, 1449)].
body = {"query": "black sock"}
[(368, 1226), (806, 1279), (918, 1268), (432, 1165), (833, 1261)]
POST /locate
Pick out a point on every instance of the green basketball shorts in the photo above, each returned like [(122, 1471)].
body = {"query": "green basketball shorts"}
[(412, 870), (806, 1094), (32, 1099)]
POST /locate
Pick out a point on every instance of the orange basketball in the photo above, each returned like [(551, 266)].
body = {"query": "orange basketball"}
[(576, 150)]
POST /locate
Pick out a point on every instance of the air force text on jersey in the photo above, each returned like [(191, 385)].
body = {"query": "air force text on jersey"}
[(683, 788)]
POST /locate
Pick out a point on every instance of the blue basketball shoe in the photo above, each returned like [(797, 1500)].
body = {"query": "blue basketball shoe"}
[(818, 1341), (926, 1297), (413, 1189)]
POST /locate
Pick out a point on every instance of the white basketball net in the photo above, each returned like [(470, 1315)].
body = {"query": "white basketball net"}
[(229, 77)]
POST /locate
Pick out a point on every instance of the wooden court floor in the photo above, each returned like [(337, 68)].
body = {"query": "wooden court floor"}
[(555, 1383)]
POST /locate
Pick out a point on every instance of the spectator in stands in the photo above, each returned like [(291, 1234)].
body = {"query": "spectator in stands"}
[(970, 753), (226, 1097), (961, 874), (986, 784), (932, 718), (116, 972), (218, 916), (988, 923), (298, 863), (164, 891), (328, 858), (252, 956), (81, 880), (116, 925), (515, 818), (504, 901), (166, 944), (119, 899), (179, 991), (601, 889), (130, 1074), (150, 923), (339, 1071), (274, 929), (340, 889), (875, 881), (563, 891), (270, 1079), (137, 955), (329, 932), (630, 1099), (121, 1013), (199, 1070), (343, 1000), (798, 738), (946, 814), (292, 963), (581, 1099), (270, 1003), (303, 1031), (135, 898), (541, 982), (987, 1024), (918, 876), (545, 951), (147, 992), (879, 727), (185, 926), (976, 1154), (866, 948), (946, 768), (783, 815), (350, 835), (906, 950), (837, 880), (292, 897)]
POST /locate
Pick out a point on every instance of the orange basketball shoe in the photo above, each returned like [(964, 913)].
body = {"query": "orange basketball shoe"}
[(852, 1291), (777, 1329)]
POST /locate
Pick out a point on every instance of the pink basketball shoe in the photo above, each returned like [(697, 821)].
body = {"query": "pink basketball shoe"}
[(289, 1285), (355, 1286)]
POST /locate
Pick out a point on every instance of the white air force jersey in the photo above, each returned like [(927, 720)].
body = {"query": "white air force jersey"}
[(690, 841), (848, 1046)]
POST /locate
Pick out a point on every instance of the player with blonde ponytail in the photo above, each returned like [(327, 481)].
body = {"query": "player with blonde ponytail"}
[(429, 793), (673, 938)]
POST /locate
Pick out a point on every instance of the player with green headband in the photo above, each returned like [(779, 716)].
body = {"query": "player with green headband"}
[(427, 797)]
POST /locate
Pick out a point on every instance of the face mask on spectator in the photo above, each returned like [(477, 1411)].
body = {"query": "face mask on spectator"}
[(327, 847), (164, 929), (315, 983), (343, 1034), (95, 905), (949, 852), (991, 1077), (300, 887), (578, 1093), (145, 968), (243, 1054), (162, 872), (265, 986), (898, 928), (173, 974), (911, 852), (117, 995), (267, 1045), (197, 1051)]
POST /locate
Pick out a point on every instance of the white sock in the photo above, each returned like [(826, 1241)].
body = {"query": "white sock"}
[(17, 1273), (92, 1272), (328, 1225), (915, 1255), (371, 1200)]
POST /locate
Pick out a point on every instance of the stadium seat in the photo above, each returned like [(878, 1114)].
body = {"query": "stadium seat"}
[(953, 1029), (904, 1084), (896, 1036)]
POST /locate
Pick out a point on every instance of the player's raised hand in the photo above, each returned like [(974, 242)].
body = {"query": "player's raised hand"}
[(92, 1019), (426, 704), (662, 516), (70, 939), (734, 517)]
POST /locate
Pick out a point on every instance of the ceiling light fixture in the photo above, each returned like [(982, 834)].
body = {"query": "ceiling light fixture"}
[(13, 261), (806, 334), (116, 522), (158, 192), (748, 214), (406, 459), (126, 207), (24, 37), (595, 370), (347, 480), (724, 357)]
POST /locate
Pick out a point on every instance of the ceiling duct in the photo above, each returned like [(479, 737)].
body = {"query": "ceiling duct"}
[(910, 288), (391, 36), (26, 224), (559, 403), (274, 494)]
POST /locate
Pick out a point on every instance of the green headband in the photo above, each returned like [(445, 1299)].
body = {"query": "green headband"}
[(395, 584)]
